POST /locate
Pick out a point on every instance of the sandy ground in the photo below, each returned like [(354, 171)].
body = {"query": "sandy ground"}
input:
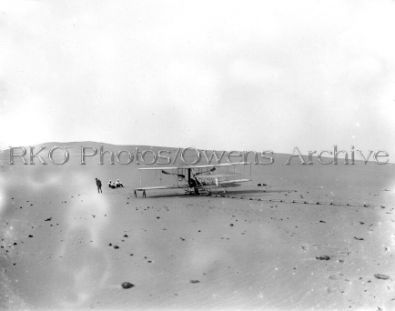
[(316, 238)]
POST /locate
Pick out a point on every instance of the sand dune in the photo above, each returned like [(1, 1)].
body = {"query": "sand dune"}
[(315, 238)]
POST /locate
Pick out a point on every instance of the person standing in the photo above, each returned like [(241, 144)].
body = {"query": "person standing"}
[(98, 184)]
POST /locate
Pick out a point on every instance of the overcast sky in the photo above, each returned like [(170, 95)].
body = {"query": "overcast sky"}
[(211, 74)]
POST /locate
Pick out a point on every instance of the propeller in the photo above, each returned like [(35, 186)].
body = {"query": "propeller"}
[(203, 172)]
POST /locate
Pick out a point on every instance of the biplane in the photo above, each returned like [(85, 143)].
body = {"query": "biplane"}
[(195, 179)]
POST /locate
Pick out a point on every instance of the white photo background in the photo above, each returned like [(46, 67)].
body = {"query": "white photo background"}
[(266, 74)]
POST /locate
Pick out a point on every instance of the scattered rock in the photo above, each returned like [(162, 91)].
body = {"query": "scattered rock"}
[(194, 281), (381, 276), (127, 285), (323, 257)]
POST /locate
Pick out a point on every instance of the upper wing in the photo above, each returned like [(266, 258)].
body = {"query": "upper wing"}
[(192, 166)]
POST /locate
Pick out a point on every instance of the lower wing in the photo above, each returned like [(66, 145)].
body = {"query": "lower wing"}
[(160, 187), (233, 181)]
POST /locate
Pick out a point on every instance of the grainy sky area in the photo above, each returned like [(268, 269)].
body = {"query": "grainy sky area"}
[(211, 74)]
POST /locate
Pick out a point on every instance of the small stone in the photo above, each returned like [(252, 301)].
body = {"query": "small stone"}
[(381, 276), (127, 285), (194, 281), (323, 257)]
